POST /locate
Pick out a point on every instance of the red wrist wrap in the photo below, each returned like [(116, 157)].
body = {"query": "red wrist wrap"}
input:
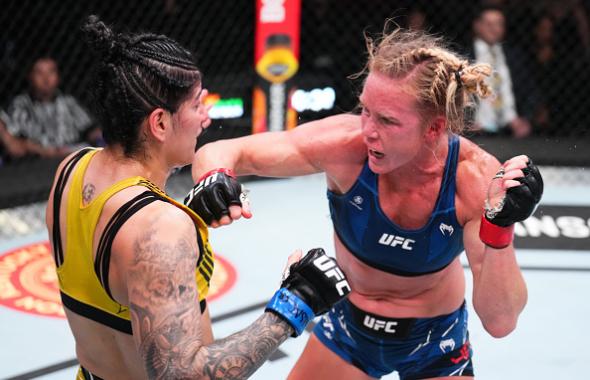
[(229, 172), (495, 236)]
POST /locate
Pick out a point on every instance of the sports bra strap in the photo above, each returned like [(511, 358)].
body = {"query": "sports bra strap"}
[(57, 195), (103, 253)]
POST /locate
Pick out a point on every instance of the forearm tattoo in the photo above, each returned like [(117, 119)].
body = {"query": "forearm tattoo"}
[(167, 325), (240, 354)]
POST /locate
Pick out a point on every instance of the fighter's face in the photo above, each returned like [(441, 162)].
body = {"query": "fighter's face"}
[(391, 123), (189, 121)]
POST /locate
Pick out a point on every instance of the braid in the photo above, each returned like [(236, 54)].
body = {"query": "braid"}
[(150, 71), (128, 141), (440, 78)]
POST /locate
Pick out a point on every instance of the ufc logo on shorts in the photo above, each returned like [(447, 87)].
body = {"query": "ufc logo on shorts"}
[(328, 266), (377, 324), (393, 241)]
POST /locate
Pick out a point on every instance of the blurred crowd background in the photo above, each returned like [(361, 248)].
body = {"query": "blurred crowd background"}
[(540, 50)]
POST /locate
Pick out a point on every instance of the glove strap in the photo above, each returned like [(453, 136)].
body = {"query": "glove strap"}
[(292, 309), (226, 171), (495, 236)]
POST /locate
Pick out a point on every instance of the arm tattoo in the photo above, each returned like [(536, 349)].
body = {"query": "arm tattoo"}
[(240, 354), (167, 324), (88, 192)]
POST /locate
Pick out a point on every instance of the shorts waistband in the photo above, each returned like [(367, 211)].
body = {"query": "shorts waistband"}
[(387, 327), (380, 326)]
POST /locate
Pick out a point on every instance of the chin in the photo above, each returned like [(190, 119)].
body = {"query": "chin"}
[(380, 166), (184, 159), (386, 165)]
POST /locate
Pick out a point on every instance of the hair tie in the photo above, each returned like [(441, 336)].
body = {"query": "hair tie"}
[(458, 74)]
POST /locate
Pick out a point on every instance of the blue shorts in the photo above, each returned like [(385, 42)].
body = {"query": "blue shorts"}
[(416, 348)]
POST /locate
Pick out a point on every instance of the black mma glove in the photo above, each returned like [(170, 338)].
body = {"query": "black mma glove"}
[(215, 191), (311, 286), (497, 228)]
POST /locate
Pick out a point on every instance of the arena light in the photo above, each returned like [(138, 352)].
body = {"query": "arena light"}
[(229, 108), (315, 100)]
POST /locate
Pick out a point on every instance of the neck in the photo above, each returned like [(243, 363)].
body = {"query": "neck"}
[(429, 163), (42, 97), (142, 164)]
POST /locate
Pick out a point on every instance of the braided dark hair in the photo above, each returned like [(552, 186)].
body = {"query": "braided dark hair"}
[(135, 74)]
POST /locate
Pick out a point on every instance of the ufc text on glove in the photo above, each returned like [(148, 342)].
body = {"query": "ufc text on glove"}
[(213, 194)]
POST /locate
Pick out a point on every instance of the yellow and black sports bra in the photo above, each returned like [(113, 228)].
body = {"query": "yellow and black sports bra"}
[(83, 282)]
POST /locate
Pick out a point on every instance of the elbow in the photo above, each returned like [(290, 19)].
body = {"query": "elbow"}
[(500, 327)]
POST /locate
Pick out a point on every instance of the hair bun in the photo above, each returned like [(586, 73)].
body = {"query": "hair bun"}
[(103, 41)]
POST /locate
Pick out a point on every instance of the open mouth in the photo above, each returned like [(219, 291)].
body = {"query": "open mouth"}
[(376, 154)]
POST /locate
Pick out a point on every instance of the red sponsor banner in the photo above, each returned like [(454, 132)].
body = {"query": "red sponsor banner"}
[(276, 52), (28, 281), (276, 57)]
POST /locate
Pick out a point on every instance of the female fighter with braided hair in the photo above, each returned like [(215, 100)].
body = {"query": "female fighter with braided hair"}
[(406, 196), (133, 264)]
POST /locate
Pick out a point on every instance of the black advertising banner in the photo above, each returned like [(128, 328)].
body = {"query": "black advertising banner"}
[(556, 228)]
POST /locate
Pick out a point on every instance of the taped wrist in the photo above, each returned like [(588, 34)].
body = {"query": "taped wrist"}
[(495, 236), (292, 309), (226, 171)]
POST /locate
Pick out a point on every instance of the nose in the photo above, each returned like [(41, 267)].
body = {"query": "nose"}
[(206, 122), (368, 128)]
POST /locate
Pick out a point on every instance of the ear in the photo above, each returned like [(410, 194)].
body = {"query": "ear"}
[(437, 126), (159, 122)]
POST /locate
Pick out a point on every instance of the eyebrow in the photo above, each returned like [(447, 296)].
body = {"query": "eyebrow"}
[(390, 118), (199, 94), (380, 115)]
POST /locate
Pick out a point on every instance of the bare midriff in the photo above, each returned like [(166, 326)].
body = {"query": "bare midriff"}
[(394, 296)]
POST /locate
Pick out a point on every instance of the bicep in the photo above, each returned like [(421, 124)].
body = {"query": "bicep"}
[(163, 299), (473, 178), (277, 154), (310, 148)]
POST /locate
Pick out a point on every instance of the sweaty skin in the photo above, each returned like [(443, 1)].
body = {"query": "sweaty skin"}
[(410, 160)]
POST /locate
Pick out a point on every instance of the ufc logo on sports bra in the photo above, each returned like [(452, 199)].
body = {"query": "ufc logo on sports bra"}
[(377, 324), (394, 241), (330, 270)]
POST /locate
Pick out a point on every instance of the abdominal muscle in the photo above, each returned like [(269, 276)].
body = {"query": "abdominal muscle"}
[(393, 296)]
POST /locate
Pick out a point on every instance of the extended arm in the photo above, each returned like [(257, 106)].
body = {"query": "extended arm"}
[(329, 145), (310, 148), (166, 319)]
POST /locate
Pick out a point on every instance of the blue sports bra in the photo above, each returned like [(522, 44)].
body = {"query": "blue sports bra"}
[(374, 239)]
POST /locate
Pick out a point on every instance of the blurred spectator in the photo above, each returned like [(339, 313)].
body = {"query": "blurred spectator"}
[(545, 58), (562, 55), (417, 18), (43, 121), (511, 109), (10, 147)]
